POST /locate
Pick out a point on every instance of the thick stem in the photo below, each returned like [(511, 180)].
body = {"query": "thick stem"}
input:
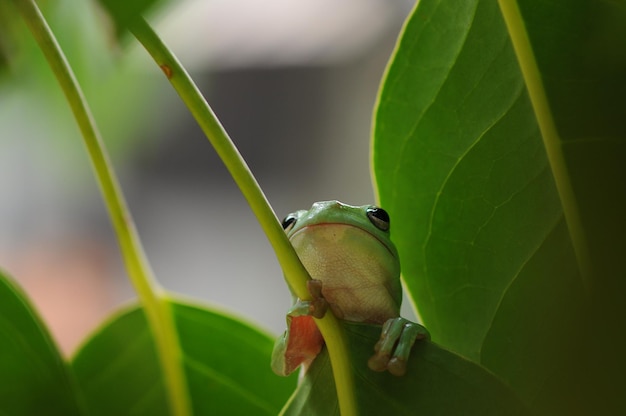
[(295, 274)]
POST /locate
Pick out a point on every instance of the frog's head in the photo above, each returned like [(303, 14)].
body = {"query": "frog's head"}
[(369, 218), (347, 246)]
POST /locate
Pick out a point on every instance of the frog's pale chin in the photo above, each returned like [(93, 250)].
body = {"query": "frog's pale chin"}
[(354, 268)]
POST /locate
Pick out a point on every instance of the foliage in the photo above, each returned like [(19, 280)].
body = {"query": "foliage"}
[(498, 146), (116, 371), (508, 180), (437, 382)]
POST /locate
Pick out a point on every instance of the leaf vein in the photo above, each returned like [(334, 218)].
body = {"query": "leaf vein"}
[(230, 384)]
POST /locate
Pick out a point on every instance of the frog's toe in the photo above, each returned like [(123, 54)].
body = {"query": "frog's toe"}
[(318, 304), (397, 366), (378, 362)]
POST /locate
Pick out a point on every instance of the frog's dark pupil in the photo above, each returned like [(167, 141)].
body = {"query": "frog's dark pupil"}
[(379, 218), (289, 220)]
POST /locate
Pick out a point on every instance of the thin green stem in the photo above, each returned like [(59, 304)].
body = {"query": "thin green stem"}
[(202, 112), (150, 293), (551, 139), (295, 274)]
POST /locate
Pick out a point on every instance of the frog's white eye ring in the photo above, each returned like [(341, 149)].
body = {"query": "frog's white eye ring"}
[(289, 222), (378, 217)]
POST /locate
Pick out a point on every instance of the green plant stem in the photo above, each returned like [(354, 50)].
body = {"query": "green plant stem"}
[(295, 274), (551, 139), (150, 293)]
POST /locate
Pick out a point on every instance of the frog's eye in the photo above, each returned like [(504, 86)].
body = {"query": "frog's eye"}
[(289, 222), (379, 218)]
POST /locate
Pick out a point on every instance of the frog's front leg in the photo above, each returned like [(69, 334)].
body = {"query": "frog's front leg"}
[(394, 346), (302, 340)]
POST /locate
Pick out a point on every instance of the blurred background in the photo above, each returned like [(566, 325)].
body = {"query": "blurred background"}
[(294, 83)]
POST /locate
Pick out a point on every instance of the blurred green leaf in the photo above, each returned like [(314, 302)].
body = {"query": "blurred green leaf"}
[(437, 382), (118, 371), (226, 361), (9, 41), (461, 166), (228, 364), (122, 98), (34, 379), (123, 11)]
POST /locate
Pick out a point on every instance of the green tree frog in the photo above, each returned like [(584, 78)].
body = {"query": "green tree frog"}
[(356, 272)]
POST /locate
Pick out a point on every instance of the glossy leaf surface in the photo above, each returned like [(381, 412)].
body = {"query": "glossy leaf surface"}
[(461, 164), (437, 382), (227, 365)]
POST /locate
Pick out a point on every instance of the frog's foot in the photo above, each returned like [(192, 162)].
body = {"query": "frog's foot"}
[(316, 307), (394, 346)]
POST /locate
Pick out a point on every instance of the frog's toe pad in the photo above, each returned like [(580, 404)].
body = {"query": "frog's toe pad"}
[(378, 362), (318, 307), (397, 366)]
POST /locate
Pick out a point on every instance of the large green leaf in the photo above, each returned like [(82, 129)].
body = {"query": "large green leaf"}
[(34, 379), (437, 382), (227, 366), (461, 166)]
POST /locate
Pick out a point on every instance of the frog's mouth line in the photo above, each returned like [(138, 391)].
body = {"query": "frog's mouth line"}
[(341, 224)]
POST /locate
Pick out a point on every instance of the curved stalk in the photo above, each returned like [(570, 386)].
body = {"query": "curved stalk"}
[(551, 139), (151, 295), (295, 274)]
